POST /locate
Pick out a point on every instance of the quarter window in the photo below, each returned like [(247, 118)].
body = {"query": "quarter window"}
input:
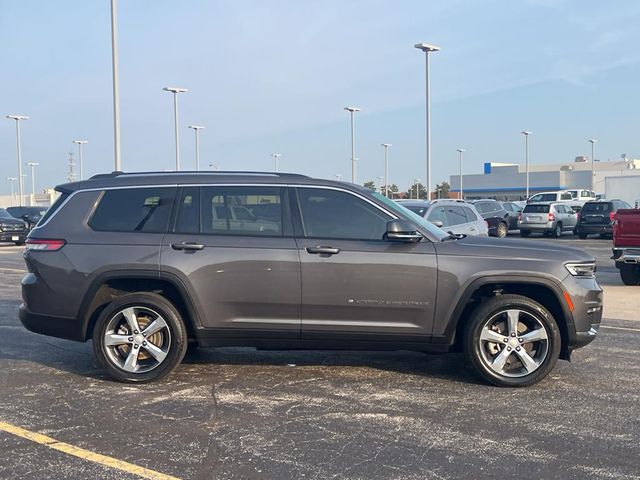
[(336, 214), (456, 216), (134, 210)]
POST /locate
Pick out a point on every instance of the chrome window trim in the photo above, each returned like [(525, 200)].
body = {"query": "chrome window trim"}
[(222, 184)]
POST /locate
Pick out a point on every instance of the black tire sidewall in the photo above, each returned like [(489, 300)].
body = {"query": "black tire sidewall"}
[(489, 308), (177, 349), (630, 275)]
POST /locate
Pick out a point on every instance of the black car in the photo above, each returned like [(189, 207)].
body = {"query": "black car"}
[(31, 215), (513, 210), (12, 229), (496, 216), (596, 217)]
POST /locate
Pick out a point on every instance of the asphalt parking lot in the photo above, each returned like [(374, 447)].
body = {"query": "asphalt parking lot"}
[(238, 413)]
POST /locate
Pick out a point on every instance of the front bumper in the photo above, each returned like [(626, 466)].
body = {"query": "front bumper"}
[(587, 298)]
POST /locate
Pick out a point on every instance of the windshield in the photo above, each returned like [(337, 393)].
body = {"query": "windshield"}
[(604, 207), (409, 215), (5, 214), (419, 210)]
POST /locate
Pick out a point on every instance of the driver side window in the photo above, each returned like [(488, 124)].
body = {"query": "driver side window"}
[(336, 214)]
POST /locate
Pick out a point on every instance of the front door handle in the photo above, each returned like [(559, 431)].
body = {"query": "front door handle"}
[(323, 250), (187, 246)]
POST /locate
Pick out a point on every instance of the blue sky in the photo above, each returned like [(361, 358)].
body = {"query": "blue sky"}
[(274, 76)]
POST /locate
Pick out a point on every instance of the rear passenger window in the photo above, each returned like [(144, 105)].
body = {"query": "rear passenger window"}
[(230, 211), (470, 214), (134, 210), (456, 216)]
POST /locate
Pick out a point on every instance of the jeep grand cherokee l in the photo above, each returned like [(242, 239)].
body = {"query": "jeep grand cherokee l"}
[(143, 263)]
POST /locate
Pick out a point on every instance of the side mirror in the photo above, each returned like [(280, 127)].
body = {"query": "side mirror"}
[(438, 223), (402, 231)]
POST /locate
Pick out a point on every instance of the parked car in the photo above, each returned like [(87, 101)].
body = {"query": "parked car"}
[(31, 215), (12, 229), (626, 245), (597, 217), (496, 216), (575, 198), (146, 268), (513, 211), (547, 218), (456, 216)]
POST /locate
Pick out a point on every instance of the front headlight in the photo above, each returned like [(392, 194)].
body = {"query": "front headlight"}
[(581, 269)]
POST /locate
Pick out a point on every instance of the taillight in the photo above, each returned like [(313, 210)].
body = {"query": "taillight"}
[(612, 216), (45, 245), (551, 217), (578, 216), (519, 217)]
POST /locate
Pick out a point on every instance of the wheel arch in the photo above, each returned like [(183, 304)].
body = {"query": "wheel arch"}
[(109, 286), (542, 290)]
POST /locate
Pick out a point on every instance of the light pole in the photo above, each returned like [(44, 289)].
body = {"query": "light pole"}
[(338, 177), (380, 178), (352, 111), (417, 182), (275, 156), (526, 134), (176, 91), (427, 48), (197, 128), (593, 141), (386, 167), (80, 143), (33, 166), (11, 180), (116, 86), (461, 151), (18, 118)]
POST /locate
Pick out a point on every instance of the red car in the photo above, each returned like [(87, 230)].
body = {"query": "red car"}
[(626, 245)]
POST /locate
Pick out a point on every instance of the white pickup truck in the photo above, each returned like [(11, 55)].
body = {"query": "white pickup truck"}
[(576, 198)]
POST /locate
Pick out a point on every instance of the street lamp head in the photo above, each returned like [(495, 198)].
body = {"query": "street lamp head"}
[(526, 132), (352, 109), (12, 179), (461, 150), (18, 117), (386, 145), (196, 127), (80, 142), (32, 164), (276, 155), (175, 89), (426, 47), (592, 140)]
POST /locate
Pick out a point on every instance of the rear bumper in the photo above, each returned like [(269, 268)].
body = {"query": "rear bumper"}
[(537, 227), (13, 237), (61, 327), (626, 256), (589, 228)]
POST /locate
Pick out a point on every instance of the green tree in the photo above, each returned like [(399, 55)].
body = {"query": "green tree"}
[(390, 190), (421, 191), (444, 188), (371, 185)]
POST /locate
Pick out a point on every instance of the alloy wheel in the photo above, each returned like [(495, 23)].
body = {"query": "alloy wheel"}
[(513, 343), (137, 339)]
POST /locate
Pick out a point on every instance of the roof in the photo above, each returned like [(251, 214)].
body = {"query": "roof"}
[(133, 179)]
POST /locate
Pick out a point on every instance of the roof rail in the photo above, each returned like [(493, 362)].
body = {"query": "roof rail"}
[(193, 172)]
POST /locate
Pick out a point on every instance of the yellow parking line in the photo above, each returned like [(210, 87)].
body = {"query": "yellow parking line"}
[(13, 270), (84, 454), (621, 328)]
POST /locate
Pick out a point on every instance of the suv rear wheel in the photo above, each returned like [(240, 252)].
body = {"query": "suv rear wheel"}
[(630, 275), (502, 230), (139, 337), (512, 341)]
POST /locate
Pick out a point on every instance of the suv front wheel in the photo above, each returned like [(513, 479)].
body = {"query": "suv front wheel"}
[(139, 337), (512, 341)]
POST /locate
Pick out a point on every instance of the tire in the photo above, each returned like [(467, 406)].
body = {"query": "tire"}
[(525, 233), (489, 325), (581, 235), (19, 244), (630, 275), (158, 352), (557, 232), (502, 230)]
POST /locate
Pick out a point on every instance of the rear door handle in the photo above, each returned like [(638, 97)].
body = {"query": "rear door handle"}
[(323, 250), (187, 246)]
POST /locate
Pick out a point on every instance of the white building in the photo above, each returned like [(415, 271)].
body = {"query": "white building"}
[(507, 181)]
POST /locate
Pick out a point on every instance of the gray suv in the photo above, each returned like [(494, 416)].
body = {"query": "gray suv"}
[(143, 263)]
